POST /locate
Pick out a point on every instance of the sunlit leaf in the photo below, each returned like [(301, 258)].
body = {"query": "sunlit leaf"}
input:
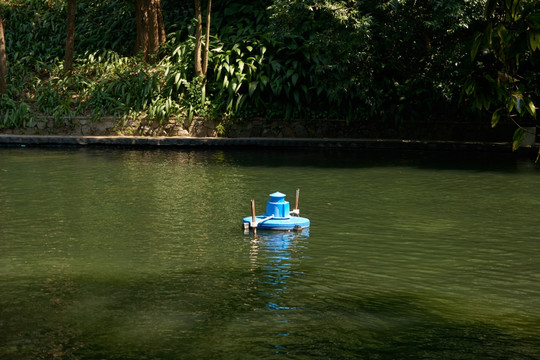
[(496, 117), (531, 108), (203, 94), (504, 77), (240, 65), (519, 136), (239, 102), (252, 87)]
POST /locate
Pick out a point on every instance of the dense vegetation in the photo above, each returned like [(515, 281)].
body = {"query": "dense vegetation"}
[(384, 67)]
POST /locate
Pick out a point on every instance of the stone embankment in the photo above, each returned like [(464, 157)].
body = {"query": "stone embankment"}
[(109, 126), (198, 127), (81, 131), (254, 142)]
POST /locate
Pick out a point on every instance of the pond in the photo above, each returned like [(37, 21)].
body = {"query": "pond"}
[(140, 254)]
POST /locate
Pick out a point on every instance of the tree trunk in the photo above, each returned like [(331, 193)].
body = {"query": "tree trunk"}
[(207, 38), (198, 38), (3, 59), (70, 37), (202, 67), (150, 28)]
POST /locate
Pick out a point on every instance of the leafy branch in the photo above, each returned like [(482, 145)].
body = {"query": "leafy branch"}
[(504, 54)]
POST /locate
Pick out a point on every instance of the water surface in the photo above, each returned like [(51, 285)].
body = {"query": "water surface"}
[(133, 254)]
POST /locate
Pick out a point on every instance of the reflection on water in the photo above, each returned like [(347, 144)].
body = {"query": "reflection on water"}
[(276, 259), (128, 254)]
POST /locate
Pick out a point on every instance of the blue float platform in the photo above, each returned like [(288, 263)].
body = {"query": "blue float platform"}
[(286, 224), (277, 217)]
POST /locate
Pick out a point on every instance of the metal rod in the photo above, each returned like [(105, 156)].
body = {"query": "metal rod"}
[(253, 211), (253, 218), (297, 196)]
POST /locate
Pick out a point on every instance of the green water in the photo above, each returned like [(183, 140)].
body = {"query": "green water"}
[(131, 254)]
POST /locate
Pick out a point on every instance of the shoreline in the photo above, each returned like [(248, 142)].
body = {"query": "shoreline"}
[(260, 142)]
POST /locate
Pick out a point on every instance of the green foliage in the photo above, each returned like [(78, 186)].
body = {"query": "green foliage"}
[(391, 61), (238, 72), (15, 113), (507, 60), (237, 55), (104, 24), (105, 82), (419, 53), (315, 56), (110, 84), (36, 29), (289, 63), (383, 63)]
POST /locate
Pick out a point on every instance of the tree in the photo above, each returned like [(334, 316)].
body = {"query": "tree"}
[(3, 60), (150, 27), (506, 56), (202, 67), (70, 36)]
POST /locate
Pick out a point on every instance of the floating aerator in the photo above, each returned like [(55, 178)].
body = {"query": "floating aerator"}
[(278, 215)]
